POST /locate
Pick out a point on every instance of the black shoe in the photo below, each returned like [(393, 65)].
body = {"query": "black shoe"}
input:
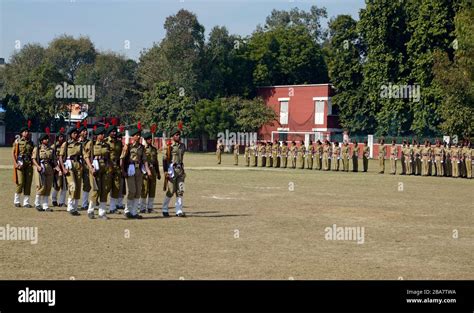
[(143, 211), (27, 206), (138, 216), (129, 215), (83, 208), (166, 214), (74, 213), (48, 210), (39, 208), (91, 215), (18, 205), (55, 203), (181, 214), (150, 211)]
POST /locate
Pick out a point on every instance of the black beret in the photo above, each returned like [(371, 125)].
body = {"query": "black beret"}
[(23, 129), (147, 136), (99, 131), (174, 131), (43, 137), (111, 129), (133, 131), (72, 130)]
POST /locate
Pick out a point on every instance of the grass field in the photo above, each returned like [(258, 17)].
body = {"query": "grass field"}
[(248, 224)]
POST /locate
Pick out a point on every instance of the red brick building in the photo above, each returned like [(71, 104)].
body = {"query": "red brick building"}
[(304, 111)]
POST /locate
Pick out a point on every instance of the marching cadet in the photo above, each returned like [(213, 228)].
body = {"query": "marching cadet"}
[(382, 153), (173, 168), (219, 151), (310, 156), (86, 186), (345, 156), (326, 155), (134, 164), (318, 154), (301, 155), (355, 157), (393, 157), (276, 154), (403, 159), (408, 156), (438, 158), (96, 155), (22, 167), (365, 156), (284, 154), (268, 149), (59, 180), (430, 159), (263, 154), (149, 182), (43, 161), (115, 177), (236, 154), (336, 156), (416, 158), (468, 158), (447, 159), (293, 154), (455, 160), (123, 190), (70, 158), (425, 157), (247, 155), (254, 154), (465, 152)]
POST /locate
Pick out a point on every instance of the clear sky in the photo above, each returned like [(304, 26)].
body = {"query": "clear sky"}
[(109, 23)]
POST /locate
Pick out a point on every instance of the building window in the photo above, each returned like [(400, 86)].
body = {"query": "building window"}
[(319, 112), (284, 112)]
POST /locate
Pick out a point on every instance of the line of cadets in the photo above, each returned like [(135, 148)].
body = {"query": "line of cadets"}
[(97, 167), (440, 160)]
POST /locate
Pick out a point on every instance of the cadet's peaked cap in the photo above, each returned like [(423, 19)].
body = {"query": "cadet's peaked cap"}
[(147, 136), (133, 131), (43, 137), (72, 130), (111, 129), (99, 131)]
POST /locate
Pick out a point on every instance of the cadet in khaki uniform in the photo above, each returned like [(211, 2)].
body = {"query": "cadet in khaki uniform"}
[(455, 160), (425, 159), (318, 155), (417, 158), (86, 181), (254, 154), (173, 167), (345, 157), (71, 164), (219, 151), (469, 160), (133, 163), (263, 154), (115, 178), (284, 155), (123, 188), (465, 152), (408, 156), (382, 153), (60, 186), (293, 154), (393, 157), (447, 160), (236, 154), (247, 155), (301, 153), (365, 156), (23, 169), (43, 162), (403, 159), (149, 182), (268, 149), (355, 157), (276, 154), (326, 155), (96, 155), (310, 156), (336, 156), (438, 158)]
